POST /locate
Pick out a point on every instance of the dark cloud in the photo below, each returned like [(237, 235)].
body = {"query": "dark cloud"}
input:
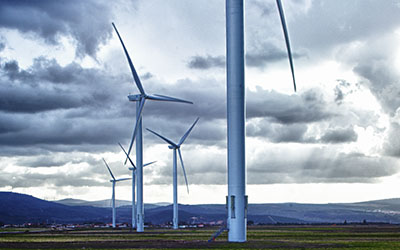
[(206, 132), (318, 165), (339, 135), (53, 129), (343, 89), (146, 76), (25, 100), (277, 132), (259, 59), (36, 89), (87, 22), (382, 79), (2, 43), (307, 107), (284, 118), (13, 72), (268, 53), (51, 160), (255, 58), (85, 170), (42, 180), (10, 124), (51, 71), (206, 62), (203, 166), (392, 144), (49, 104), (209, 105), (271, 164), (297, 132), (338, 95)]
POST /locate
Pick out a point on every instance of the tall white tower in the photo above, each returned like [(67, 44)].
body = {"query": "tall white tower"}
[(237, 199)]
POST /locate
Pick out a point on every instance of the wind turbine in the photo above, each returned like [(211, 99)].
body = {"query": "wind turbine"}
[(113, 181), (236, 117), (140, 99), (176, 147), (133, 169)]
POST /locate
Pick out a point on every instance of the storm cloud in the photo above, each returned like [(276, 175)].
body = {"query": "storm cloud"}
[(87, 22), (254, 59), (339, 135), (319, 165), (2, 45), (59, 117), (206, 62), (310, 106)]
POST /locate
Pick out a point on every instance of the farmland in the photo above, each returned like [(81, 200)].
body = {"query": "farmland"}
[(259, 237)]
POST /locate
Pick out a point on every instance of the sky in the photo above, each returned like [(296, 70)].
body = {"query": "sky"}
[(64, 82)]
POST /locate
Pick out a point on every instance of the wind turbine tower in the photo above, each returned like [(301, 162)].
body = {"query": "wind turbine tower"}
[(176, 147), (133, 169), (113, 181), (140, 100), (236, 118)]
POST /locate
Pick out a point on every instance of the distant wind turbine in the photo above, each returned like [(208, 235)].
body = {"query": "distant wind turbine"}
[(133, 169), (113, 181), (176, 147), (137, 131), (236, 117)]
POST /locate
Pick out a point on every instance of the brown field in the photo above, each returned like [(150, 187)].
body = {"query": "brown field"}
[(259, 237)]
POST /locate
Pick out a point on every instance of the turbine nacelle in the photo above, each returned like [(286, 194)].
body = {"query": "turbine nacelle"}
[(135, 98), (173, 147)]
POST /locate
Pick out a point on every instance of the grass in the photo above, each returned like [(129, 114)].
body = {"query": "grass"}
[(258, 237)]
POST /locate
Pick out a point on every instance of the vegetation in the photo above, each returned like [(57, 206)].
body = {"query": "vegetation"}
[(259, 237)]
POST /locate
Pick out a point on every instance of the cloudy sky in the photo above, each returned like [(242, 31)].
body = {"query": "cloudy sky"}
[(64, 82)]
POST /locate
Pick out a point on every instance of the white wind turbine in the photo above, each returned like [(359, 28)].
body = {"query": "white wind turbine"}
[(236, 117), (137, 131), (113, 181), (133, 169), (176, 147)]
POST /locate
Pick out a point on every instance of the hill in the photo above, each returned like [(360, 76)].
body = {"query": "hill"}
[(20, 208)]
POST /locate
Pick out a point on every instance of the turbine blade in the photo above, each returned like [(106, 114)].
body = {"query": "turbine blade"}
[(188, 132), (285, 32), (156, 97), (149, 163), (138, 116), (123, 179), (183, 168), (129, 158), (134, 73), (109, 170), (164, 138)]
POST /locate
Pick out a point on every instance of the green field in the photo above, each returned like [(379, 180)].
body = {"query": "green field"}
[(259, 237)]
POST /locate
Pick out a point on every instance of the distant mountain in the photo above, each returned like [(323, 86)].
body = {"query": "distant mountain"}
[(104, 203), (100, 203), (20, 208), (372, 211)]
